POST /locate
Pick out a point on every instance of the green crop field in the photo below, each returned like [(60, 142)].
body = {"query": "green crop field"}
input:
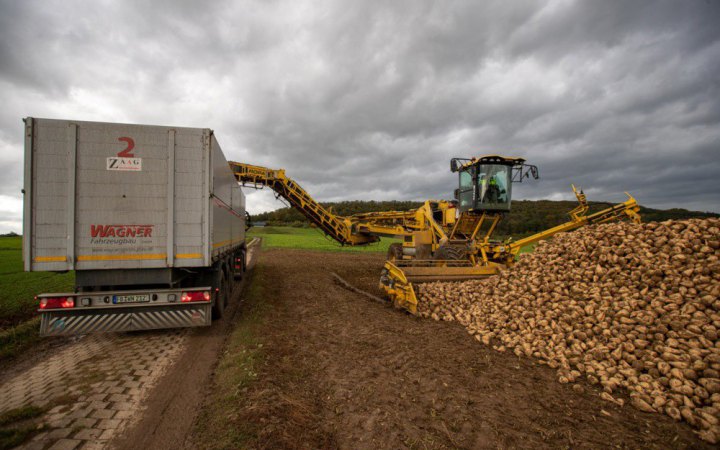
[(18, 322), (313, 239), (527, 249), (19, 288), (310, 239)]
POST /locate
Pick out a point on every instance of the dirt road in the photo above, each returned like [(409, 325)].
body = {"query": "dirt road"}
[(340, 371), (172, 407)]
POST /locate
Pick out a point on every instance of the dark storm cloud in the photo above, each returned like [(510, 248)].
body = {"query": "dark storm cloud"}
[(369, 100)]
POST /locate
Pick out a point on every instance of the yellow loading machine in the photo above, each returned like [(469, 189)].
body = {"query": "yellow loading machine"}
[(441, 240)]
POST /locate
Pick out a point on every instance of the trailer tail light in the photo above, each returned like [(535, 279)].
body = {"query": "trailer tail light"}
[(195, 296), (57, 302)]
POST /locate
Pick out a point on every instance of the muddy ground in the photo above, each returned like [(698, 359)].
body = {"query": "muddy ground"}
[(341, 371)]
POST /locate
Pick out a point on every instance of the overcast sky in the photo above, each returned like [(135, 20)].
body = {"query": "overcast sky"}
[(370, 99)]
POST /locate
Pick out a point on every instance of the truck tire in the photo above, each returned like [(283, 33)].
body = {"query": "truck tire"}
[(218, 308), (229, 285), (238, 273)]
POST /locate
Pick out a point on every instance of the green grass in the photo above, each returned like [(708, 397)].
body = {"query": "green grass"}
[(17, 296), (12, 437), (528, 249), (313, 239), (310, 239), (20, 414), (15, 339), (218, 425), (18, 316), (16, 426)]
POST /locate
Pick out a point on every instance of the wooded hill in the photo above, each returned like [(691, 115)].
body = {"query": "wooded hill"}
[(526, 217)]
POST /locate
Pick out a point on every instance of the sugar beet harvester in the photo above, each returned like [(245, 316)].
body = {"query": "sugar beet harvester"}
[(442, 240)]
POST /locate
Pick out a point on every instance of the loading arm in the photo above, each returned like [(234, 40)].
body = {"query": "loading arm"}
[(627, 209), (337, 227)]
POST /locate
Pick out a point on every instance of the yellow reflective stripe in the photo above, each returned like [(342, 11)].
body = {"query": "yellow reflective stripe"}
[(117, 257), (50, 258), (231, 241), (121, 257), (188, 256)]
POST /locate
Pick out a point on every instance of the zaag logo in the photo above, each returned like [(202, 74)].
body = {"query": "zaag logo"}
[(125, 159)]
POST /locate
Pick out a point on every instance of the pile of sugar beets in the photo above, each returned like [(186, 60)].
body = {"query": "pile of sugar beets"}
[(632, 308)]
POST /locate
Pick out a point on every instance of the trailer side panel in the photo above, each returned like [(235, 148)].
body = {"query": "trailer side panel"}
[(117, 196)]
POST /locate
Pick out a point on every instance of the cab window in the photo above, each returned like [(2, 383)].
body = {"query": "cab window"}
[(493, 186), (466, 190)]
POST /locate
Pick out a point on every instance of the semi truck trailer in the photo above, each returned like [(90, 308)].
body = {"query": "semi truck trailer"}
[(150, 218)]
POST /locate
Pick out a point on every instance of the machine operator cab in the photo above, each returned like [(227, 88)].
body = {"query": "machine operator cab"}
[(486, 182)]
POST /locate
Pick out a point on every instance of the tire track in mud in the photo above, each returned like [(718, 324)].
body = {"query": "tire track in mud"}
[(175, 402)]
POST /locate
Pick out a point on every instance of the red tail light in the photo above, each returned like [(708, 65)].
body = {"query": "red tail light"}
[(195, 296), (57, 302)]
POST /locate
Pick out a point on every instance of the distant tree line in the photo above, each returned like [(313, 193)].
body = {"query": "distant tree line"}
[(526, 217)]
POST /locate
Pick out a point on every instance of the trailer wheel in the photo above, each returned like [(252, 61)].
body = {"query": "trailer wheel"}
[(229, 285), (238, 273), (218, 308)]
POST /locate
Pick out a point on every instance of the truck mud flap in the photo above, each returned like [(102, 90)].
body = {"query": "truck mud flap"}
[(59, 322)]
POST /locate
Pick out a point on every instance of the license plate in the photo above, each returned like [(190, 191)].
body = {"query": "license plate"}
[(131, 298)]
